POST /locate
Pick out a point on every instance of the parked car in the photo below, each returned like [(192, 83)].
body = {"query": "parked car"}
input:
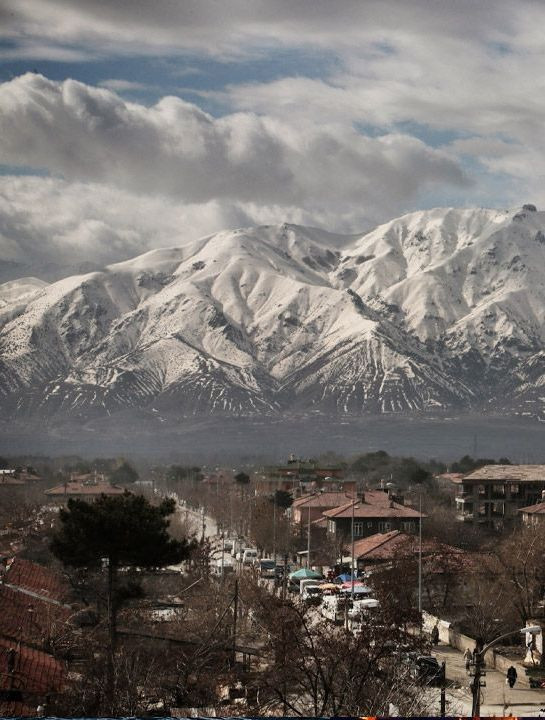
[(312, 595), (426, 670)]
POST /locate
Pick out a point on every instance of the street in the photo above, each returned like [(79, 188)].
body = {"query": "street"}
[(497, 697), (208, 528)]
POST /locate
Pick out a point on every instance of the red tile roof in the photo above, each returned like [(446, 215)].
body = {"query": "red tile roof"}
[(36, 578), (27, 618), (34, 671), (18, 709), (372, 547), (325, 499), (376, 504)]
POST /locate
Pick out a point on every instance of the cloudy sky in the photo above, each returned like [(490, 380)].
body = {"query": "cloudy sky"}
[(130, 124)]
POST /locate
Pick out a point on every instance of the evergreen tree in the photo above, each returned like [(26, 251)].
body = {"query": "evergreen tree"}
[(117, 532)]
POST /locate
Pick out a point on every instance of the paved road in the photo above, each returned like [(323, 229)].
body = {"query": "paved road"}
[(497, 697), (196, 516)]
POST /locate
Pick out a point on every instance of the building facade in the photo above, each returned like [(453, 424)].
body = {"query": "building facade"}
[(492, 495), (375, 511)]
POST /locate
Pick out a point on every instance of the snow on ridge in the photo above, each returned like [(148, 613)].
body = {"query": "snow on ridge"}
[(399, 318)]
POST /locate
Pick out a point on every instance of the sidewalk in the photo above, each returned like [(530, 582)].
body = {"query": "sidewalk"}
[(497, 698)]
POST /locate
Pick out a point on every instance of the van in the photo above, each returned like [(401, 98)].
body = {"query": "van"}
[(249, 556), (266, 568)]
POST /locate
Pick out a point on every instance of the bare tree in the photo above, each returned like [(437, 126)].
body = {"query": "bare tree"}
[(319, 669)]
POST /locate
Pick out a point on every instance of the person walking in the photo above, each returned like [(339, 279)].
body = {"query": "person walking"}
[(468, 657), (511, 676), (435, 635)]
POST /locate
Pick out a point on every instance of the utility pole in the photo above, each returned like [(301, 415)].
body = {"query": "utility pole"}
[(443, 689), (476, 683), (308, 538), (222, 552), (479, 664), (352, 553), (420, 559), (274, 528), (235, 613)]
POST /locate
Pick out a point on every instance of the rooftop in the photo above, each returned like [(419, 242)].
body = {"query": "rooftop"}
[(324, 499), (538, 509), (34, 671), (503, 473), (376, 504), (30, 618), (86, 487), (31, 576)]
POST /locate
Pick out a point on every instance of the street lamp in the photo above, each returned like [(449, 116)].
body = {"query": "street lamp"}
[(479, 663)]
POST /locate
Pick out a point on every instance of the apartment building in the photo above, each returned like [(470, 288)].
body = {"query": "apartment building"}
[(492, 495)]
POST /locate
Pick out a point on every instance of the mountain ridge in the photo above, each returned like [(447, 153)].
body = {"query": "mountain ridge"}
[(435, 310)]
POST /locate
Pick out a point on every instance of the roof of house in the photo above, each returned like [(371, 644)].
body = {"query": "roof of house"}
[(502, 473), (538, 509), (34, 671), (28, 617), (11, 480), (373, 546), (321, 500), (44, 581), (384, 547), (90, 488), (376, 504), (17, 708)]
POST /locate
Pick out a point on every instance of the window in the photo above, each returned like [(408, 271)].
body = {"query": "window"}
[(408, 526), (331, 526), (384, 526), (358, 529)]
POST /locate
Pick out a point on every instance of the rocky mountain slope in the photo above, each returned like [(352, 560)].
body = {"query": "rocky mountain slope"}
[(434, 310)]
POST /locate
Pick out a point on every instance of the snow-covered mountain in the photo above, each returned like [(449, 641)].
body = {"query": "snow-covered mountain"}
[(435, 310)]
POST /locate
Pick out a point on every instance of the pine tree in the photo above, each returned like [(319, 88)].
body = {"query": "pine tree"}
[(116, 532)]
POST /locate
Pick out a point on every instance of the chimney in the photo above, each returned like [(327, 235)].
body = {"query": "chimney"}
[(362, 498)]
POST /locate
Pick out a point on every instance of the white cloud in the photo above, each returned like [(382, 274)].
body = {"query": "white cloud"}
[(467, 76), (174, 148)]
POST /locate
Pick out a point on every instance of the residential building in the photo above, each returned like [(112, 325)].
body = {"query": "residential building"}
[(450, 575), (492, 495), (85, 487), (533, 514), (374, 511), (303, 476), (313, 505)]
